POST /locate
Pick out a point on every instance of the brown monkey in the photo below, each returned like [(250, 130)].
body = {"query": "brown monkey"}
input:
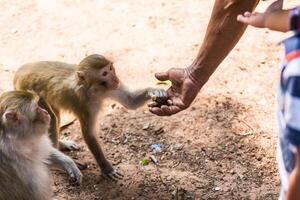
[(25, 149), (80, 89)]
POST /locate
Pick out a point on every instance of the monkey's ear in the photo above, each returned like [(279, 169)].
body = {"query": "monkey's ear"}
[(80, 75), (11, 117)]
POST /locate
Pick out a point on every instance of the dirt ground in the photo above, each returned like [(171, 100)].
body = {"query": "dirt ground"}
[(222, 147)]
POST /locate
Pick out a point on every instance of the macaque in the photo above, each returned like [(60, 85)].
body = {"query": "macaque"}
[(80, 90), (25, 149)]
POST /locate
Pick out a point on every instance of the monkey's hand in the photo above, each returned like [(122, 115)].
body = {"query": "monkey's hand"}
[(75, 175), (159, 97), (111, 174), (68, 145), (64, 162)]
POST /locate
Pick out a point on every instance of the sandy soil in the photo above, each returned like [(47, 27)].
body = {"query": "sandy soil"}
[(222, 147)]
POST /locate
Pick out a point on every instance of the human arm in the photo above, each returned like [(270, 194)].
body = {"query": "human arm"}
[(222, 33), (293, 192), (274, 18)]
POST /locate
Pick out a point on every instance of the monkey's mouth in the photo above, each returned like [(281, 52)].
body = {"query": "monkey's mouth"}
[(112, 86), (103, 83)]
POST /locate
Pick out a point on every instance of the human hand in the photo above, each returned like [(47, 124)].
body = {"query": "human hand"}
[(181, 94), (257, 19)]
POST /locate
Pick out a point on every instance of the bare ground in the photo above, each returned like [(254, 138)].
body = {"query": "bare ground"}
[(222, 147)]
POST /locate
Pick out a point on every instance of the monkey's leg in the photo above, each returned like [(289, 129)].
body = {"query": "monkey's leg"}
[(53, 123), (87, 125), (64, 162), (64, 145)]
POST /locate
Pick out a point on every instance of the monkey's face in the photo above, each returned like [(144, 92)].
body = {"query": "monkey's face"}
[(41, 115), (108, 77), (23, 118)]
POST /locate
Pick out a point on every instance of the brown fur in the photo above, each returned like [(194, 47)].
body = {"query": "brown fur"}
[(24, 148), (79, 89)]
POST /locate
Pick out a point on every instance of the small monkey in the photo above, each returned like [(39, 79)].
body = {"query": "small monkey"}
[(25, 149), (80, 89)]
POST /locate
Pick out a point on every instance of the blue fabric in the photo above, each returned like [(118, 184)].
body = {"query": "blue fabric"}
[(293, 86), (292, 43), (287, 155), (292, 135), (288, 136), (295, 18)]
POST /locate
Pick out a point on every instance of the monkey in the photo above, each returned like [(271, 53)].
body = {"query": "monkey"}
[(25, 149), (23, 172), (80, 89)]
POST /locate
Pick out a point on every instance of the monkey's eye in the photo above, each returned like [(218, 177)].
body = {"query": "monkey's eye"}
[(104, 73)]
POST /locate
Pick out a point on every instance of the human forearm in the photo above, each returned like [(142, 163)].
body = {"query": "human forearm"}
[(293, 192), (222, 34), (278, 20)]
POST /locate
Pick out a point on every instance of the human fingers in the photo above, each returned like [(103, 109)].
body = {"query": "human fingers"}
[(156, 110), (170, 110), (247, 14), (162, 76), (165, 110), (244, 18)]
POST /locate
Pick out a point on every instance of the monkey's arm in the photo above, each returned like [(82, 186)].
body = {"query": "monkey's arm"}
[(64, 162), (134, 99)]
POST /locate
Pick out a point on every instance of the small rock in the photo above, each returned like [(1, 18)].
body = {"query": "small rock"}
[(175, 192), (146, 126), (14, 30), (259, 158), (177, 147), (216, 189), (159, 131), (115, 141), (153, 159)]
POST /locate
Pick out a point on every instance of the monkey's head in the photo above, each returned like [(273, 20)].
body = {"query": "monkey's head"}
[(21, 116), (96, 71)]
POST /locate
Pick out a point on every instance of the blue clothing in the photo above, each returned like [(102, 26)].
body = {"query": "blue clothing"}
[(288, 109)]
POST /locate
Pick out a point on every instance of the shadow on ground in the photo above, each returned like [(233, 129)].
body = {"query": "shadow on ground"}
[(208, 152)]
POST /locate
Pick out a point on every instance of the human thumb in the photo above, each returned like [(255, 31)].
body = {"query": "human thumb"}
[(162, 76)]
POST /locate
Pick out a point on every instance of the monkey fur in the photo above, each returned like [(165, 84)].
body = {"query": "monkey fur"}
[(80, 89)]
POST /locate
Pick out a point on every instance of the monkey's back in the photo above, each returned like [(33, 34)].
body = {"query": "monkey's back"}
[(51, 80), (33, 75)]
